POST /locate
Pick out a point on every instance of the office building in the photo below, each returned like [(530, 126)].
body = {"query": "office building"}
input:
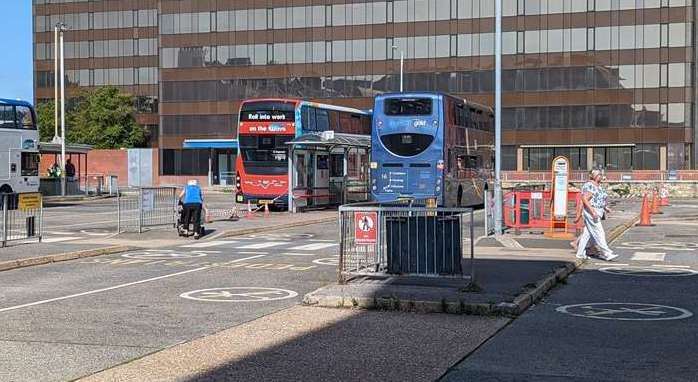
[(607, 83)]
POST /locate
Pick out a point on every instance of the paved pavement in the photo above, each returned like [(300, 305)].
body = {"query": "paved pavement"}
[(633, 320)]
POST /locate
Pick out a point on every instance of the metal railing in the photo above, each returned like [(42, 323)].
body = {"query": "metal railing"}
[(22, 217), (630, 176), (146, 207), (404, 240)]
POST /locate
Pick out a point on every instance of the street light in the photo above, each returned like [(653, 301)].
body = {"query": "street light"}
[(402, 66), (498, 119), (61, 27)]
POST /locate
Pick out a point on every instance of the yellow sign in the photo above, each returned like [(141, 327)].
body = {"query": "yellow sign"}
[(30, 201)]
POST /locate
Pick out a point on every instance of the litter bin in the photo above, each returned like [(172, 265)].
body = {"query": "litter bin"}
[(424, 245)]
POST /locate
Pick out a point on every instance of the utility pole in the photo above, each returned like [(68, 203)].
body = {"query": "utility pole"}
[(498, 119)]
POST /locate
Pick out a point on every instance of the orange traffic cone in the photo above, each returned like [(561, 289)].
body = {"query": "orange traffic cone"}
[(645, 219), (664, 198), (266, 210), (655, 204)]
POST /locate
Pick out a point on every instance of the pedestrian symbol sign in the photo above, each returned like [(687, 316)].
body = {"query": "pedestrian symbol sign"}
[(365, 230)]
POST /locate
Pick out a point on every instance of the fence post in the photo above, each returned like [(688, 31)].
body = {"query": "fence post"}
[(4, 219), (118, 211), (140, 210), (342, 238), (41, 218), (174, 207), (472, 246)]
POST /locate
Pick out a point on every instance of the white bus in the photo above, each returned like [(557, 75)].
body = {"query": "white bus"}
[(19, 147)]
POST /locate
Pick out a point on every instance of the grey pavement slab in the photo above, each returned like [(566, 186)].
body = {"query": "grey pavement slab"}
[(315, 344)]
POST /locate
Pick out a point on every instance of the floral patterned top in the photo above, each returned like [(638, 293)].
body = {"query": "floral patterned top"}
[(598, 195)]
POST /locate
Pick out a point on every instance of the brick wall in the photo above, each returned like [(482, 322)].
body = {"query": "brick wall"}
[(103, 162)]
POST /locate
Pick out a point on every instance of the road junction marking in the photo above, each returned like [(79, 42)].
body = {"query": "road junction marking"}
[(625, 311)]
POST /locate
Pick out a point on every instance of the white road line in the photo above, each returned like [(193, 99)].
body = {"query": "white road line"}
[(268, 244), (59, 233), (614, 264), (208, 244), (323, 241), (59, 239), (298, 254), (508, 242), (313, 247), (253, 253), (648, 256), (115, 287), (670, 266)]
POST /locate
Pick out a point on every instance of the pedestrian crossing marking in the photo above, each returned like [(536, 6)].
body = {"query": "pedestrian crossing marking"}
[(648, 256), (268, 244), (208, 244), (313, 247), (59, 239)]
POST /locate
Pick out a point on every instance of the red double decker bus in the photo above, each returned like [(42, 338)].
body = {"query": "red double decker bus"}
[(266, 125)]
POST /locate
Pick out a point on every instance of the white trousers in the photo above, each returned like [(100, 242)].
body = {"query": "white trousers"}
[(593, 230)]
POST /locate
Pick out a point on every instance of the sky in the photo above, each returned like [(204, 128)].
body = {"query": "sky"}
[(16, 78)]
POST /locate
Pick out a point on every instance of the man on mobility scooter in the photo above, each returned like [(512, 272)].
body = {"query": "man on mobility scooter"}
[(192, 200)]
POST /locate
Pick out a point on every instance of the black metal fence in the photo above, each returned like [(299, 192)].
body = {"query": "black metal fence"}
[(22, 217), (146, 207), (405, 240)]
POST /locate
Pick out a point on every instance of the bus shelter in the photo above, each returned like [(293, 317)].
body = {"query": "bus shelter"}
[(81, 183), (328, 169)]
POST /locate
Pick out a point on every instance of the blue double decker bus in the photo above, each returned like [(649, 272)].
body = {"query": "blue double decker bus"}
[(431, 146)]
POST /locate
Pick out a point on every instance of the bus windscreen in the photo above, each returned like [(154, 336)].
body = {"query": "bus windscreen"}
[(408, 106), (407, 145), (264, 154)]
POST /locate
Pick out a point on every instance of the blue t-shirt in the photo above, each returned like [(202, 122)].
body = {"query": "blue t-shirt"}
[(192, 194)]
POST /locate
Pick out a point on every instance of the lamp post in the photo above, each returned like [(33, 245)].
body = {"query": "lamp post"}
[(62, 28), (55, 84), (402, 66), (498, 119)]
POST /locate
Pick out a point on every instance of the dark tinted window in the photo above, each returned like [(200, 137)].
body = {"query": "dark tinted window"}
[(30, 164), (265, 154), (268, 111), (408, 106), (407, 145)]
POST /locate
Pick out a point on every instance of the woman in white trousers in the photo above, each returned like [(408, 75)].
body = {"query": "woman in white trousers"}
[(593, 201)]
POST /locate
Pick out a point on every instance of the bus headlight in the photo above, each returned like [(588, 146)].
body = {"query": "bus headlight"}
[(374, 188), (438, 180), (438, 188)]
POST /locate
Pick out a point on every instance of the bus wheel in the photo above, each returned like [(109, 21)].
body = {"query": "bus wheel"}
[(5, 189), (460, 196)]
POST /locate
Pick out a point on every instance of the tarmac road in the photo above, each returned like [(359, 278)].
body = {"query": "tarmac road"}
[(632, 320), (65, 320)]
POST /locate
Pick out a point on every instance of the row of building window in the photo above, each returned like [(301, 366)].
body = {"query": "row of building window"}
[(98, 20), (439, 46), (100, 48), (142, 104), (381, 12), (597, 116), (550, 79), (100, 77)]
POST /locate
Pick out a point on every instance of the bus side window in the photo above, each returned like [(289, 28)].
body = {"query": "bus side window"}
[(7, 117), (322, 120)]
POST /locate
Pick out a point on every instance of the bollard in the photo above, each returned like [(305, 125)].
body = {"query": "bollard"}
[(645, 218), (249, 210), (266, 209), (4, 219)]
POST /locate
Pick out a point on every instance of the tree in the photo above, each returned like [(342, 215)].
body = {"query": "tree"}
[(45, 120), (104, 118)]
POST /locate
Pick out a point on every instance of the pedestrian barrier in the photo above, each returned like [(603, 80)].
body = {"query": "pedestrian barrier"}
[(146, 207), (22, 216), (405, 240)]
